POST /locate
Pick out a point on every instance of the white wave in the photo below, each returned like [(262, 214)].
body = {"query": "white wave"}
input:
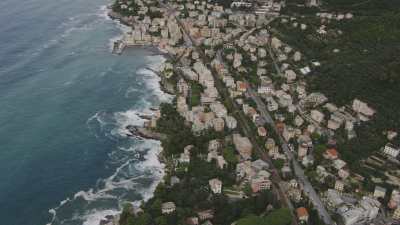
[(131, 90), (103, 12), (99, 118), (129, 169), (123, 119), (95, 216), (153, 163), (152, 80), (53, 216), (53, 211)]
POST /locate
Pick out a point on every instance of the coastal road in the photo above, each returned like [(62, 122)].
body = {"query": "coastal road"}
[(303, 180), (244, 123), (308, 188)]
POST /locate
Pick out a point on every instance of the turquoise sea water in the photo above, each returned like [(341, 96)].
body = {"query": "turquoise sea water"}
[(64, 101)]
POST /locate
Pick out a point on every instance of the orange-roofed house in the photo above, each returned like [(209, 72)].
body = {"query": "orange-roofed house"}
[(302, 214), (331, 154), (241, 86)]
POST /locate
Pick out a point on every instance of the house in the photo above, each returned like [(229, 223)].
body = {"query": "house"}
[(243, 146), (298, 121), (265, 89), (218, 124), (185, 156), (339, 185), (206, 215), (331, 154), (270, 144), (394, 201), (168, 208), (297, 56), (192, 221), (244, 170), (370, 207), (293, 183), (396, 214), (231, 122), (219, 109), (288, 133), (333, 124), (272, 105), (391, 134), (302, 150), (260, 183), (262, 131), (343, 173), (189, 74), (339, 164), (290, 75), (302, 214), (351, 215), (221, 162), (183, 87), (391, 151), (317, 116), (333, 198), (305, 70), (229, 81), (379, 192), (321, 171), (312, 3), (294, 194), (241, 86), (215, 185), (362, 108), (214, 145)]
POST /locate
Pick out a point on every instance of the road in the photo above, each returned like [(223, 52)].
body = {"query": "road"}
[(307, 187), (244, 124), (296, 167)]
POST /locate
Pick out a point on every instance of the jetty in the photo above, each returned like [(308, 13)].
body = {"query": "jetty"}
[(144, 133), (118, 47)]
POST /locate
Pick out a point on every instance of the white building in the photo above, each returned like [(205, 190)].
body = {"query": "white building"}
[(339, 185), (379, 192), (168, 208), (219, 109), (215, 186), (390, 150), (317, 116), (230, 122)]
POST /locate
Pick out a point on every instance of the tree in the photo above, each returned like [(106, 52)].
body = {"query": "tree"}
[(230, 156), (126, 214), (142, 219), (161, 220)]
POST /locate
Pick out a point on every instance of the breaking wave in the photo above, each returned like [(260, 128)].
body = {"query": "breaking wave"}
[(134, 161)]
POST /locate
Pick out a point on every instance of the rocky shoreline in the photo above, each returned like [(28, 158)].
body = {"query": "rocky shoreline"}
[(145, 131)]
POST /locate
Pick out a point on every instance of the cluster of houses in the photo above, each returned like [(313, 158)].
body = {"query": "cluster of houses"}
[(238, 43), (364, 210)]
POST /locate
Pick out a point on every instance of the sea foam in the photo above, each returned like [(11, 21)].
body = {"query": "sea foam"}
[(137, 168)]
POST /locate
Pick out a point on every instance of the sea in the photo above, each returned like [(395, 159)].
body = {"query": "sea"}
[(65, 100)]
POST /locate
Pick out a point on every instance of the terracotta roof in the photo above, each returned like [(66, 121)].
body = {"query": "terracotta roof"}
[(301, 212), (242, 85), (332, 152)]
